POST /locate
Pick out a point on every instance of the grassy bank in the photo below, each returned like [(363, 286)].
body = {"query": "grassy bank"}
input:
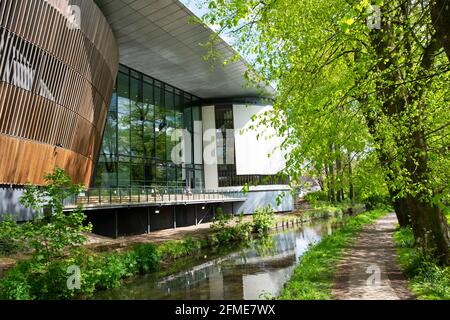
[(56, 279), (39, 280), (426, 279), (313, 277)]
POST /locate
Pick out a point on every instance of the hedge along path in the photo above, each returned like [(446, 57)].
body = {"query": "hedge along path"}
[(370, 269)]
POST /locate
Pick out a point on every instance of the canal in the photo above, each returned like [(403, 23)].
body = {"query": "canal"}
[(254, 272)]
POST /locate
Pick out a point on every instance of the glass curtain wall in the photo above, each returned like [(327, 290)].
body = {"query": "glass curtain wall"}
[(137, 141)]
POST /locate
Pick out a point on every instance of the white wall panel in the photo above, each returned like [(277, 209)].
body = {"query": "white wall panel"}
[(210, 159), (252, 153)]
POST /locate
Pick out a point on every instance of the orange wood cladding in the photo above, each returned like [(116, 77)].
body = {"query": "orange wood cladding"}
[(28, 161), (56, 83)]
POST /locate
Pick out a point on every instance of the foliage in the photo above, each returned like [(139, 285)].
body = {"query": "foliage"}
[(48, 281), (52, 233), (180, 248), (10, 236), (371, 187), (313, 277), (227, 228), (263, 220), (350, 91), (427, 279), (265, 246), (314, 197)]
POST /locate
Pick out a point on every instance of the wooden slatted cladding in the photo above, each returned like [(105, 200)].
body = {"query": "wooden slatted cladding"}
[(56, 83), (26, 161)]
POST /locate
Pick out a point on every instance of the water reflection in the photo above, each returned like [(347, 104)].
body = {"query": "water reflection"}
[(253, 273)]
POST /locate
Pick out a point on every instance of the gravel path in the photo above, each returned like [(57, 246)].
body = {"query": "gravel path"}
[(370, 270)]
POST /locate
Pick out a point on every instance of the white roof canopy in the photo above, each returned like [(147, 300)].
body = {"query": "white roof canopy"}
[(156, 38)]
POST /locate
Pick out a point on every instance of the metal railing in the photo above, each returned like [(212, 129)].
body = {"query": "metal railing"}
[(149, 195)]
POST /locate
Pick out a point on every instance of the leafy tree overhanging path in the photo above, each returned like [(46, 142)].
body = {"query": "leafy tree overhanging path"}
[(370, 270)]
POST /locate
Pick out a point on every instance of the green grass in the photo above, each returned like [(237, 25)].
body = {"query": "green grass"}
[(313, 277), (426, 279)]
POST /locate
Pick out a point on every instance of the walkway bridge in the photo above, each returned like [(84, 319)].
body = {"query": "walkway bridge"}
[(114, 198)]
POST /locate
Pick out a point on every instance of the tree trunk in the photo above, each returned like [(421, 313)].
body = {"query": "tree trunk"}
[(401, 210), (332, 184), (351, 191), (440, 13), (430, 229), (340, 191), (428, 220)]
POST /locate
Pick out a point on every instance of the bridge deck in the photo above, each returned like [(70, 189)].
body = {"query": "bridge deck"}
[(112, 202)]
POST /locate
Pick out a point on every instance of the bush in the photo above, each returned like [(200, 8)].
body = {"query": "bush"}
[(263, 220), (229, 229), (14, 286), (314, 197), (48, 280), (147, 257), (10, 237), (223, 228), (427, 279), (373, 201), (52, 234), (242, 231)]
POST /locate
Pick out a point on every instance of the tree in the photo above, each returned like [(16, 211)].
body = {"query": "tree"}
[(52, 234), (356, 78)]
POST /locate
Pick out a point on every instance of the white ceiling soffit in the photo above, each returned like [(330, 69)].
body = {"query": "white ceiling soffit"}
[(156, 38)]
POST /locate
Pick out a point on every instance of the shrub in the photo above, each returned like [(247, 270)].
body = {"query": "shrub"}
[(263, 220), (48, 280), (14, 285), (36, 280), (314, 197), (223, 228), (427, 279), (373, 201), (53, 233), (146, 255), (242, 231), (11, 240)]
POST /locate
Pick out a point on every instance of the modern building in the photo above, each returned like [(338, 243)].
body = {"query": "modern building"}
[(101, 89)]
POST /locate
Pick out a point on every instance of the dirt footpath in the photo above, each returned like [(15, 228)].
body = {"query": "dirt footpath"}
[(370, 270)]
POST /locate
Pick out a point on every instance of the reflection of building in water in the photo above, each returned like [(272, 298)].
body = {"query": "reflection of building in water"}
[(255, 273), (256, 286), (241, 275)]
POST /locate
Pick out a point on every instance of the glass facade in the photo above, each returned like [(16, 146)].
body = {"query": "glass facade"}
[(137, 141)]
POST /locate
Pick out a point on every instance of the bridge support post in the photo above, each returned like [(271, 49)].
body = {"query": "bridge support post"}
[(116, 224), (196, 215), (148, 221), (174, 217)]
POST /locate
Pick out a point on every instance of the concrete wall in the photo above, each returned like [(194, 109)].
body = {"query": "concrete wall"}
[(262, 196), (10, 205)]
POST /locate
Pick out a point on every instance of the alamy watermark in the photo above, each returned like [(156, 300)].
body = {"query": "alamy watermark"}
[(218, 148), (374, 280), (73, 16), (374, 18), (74, 278)]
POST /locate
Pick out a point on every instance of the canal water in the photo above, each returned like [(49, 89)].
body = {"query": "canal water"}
[(255, 272)]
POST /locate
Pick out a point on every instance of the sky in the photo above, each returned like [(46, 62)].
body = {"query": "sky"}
[(199, 10)]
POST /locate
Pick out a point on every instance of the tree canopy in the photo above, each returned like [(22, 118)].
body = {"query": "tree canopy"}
[(358, 80)]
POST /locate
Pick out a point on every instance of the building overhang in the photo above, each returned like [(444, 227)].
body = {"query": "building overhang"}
[(157, 37)]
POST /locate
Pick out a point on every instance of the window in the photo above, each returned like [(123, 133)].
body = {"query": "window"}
[(137, 146)]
